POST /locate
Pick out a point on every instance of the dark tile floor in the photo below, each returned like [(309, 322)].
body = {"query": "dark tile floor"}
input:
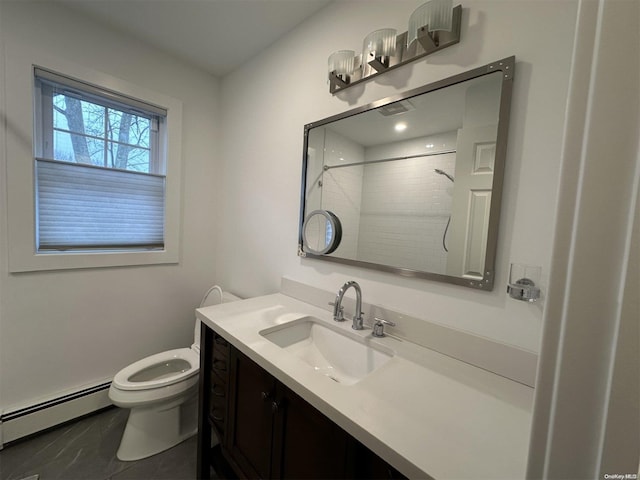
[(86, 450)]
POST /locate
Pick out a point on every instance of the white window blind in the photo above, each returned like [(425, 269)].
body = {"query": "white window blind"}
[(92, 207), (100, 180)]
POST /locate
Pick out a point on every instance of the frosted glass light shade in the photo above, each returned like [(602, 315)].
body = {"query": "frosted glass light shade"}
[(382, 42), (342, 62), (437, 14)]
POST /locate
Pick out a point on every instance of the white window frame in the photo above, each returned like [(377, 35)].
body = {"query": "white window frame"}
[(20, 105)]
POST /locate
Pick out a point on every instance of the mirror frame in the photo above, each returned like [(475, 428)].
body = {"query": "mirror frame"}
[(507, 67)]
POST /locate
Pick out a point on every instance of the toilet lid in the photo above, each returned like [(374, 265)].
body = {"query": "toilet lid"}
[(159, 370), (214, 296)]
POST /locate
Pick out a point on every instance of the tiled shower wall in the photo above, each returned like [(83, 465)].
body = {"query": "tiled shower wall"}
[(406, 204), (342, 189), (393, 213)]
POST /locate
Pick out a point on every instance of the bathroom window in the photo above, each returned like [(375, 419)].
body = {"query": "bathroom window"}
[(100, 168), (121, 153)]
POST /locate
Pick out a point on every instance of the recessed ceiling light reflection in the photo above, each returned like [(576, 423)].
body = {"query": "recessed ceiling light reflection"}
[(400, 127), (429, 145)]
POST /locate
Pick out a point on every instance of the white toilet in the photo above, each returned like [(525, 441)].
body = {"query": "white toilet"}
[(161, 391)]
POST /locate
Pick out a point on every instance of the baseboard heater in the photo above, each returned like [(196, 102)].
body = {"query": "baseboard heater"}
[(26, 421)]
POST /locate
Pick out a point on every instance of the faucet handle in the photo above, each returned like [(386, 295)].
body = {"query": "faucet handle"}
[(338, 313), (378, 326)]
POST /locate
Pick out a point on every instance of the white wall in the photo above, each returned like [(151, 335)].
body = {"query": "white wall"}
[(63, 329), (266, 103)]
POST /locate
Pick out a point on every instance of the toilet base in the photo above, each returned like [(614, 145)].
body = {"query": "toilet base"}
[(151, 430)]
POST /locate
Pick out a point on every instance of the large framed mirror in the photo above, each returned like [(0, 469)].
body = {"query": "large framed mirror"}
[(415, 180)]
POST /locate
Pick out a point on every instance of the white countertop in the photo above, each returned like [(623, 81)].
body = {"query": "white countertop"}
[(427, 414)]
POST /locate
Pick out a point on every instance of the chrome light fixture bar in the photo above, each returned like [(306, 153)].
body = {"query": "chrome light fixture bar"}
[(381, 53)]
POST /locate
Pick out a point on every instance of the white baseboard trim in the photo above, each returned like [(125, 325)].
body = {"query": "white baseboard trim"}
[(28, 420)]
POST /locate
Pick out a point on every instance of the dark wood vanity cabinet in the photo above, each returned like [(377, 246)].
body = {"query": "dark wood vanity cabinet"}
[(265, 430), (277, 434)]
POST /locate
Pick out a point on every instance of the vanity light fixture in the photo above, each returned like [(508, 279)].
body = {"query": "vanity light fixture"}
[(377, 49), (426, 22), (341, 66), (432, 26)]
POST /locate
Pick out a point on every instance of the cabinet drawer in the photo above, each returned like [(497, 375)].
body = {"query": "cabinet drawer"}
[(217, 408), (220, 366), (220, 344), (218, 393), (220, 357), (218, 385), (220, 354), (218, 404), (218, 416)]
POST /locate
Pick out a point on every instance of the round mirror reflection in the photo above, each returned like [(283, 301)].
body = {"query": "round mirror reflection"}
[(321, 233)]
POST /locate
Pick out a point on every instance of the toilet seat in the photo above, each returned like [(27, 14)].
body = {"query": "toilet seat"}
[(173, 366)]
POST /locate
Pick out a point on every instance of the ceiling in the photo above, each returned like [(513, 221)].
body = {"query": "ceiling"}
[(430, 113), (434, 112), (215, 35)]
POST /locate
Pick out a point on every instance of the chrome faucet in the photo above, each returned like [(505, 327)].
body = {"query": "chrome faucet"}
[(338, 309)]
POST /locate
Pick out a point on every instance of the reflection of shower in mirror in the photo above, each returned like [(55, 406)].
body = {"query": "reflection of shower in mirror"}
[(446, 229), (442, 172)]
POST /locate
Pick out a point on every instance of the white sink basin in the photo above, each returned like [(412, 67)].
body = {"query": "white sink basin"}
[(342, 356)]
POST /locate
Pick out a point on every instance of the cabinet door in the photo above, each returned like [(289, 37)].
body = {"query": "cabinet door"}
[(251, 403), (306, 443), (369, 466)]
